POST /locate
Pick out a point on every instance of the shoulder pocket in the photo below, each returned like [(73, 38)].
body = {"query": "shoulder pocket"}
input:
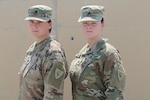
[(118, 77)]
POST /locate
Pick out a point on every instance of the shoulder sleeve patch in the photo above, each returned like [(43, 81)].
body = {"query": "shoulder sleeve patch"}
[(58, 73), (55, 77)]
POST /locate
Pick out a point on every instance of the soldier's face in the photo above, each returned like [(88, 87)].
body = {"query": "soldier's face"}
[(39, 29), (92, 29)]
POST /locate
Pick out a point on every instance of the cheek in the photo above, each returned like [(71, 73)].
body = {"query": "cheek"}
[(98, 29), (46, 27), (83, 29), (43, 29), (30, 28)]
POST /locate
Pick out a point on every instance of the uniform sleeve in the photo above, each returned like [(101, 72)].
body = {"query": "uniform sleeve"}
[(54, 74), (114, 77)]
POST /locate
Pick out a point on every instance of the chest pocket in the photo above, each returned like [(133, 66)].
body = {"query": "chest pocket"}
[(31, 69), (27, 60), (93, 72), (75, 69), (89, 76)]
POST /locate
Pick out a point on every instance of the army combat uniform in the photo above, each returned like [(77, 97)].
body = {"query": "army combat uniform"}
[(97, 73), (43, 72), (45, 67)]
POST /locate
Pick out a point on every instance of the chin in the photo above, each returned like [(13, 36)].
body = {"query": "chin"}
[(90, 37), (35, 34)]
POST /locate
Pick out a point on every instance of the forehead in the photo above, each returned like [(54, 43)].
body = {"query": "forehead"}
[(90, 22), (36, 21)]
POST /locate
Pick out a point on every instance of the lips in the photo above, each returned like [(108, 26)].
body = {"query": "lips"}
[(35, 31), (88, 31)]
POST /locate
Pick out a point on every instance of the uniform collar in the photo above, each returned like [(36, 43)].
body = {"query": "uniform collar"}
[(94, 49), (98, 46), (39, 46)]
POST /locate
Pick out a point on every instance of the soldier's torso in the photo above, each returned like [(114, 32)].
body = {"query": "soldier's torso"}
[(31, 73), (85, 74)]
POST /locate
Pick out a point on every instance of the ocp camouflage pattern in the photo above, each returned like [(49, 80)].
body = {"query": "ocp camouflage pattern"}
[(43, 72), (97, 73)]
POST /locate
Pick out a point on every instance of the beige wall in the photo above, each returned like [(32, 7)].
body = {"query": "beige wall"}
[(127, 26)]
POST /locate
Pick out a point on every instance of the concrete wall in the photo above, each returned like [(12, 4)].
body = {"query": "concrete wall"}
[(127, 26)]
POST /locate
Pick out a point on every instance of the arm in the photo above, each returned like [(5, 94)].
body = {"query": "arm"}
[(54, 75), (114, 77)]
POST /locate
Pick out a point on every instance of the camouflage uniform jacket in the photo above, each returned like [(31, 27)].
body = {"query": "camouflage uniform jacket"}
[(43, 72), (97, 73)]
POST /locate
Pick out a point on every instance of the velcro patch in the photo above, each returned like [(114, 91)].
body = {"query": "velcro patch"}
[(58, 73), (120, 75)]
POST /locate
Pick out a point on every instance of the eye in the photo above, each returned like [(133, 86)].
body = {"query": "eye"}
[(39, 22), (31, 22), (94, 23), (85, 23)]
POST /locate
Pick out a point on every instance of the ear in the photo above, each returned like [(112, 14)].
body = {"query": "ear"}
[(102, 25), (50, 25)]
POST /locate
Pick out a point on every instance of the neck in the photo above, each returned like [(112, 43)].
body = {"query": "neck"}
[(40, 39), (92, 42)]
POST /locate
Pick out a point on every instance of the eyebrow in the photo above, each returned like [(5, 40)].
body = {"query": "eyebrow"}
[(36, 21)]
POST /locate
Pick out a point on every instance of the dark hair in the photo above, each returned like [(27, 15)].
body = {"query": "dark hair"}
[(102, 20), (51, 28)]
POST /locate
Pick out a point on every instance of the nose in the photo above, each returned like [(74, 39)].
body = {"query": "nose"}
[(88, 26), (34, 26)]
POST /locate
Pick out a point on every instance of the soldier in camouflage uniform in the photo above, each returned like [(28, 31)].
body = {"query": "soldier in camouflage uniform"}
[(45, 67), (96, 72)]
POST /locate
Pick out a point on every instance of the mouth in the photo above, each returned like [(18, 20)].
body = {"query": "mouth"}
[(34, 31), (89, 31)]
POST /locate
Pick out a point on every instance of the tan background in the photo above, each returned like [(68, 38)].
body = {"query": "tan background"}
[(127, 25)]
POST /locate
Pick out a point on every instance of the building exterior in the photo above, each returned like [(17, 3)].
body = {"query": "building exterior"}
[(126, 25)]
